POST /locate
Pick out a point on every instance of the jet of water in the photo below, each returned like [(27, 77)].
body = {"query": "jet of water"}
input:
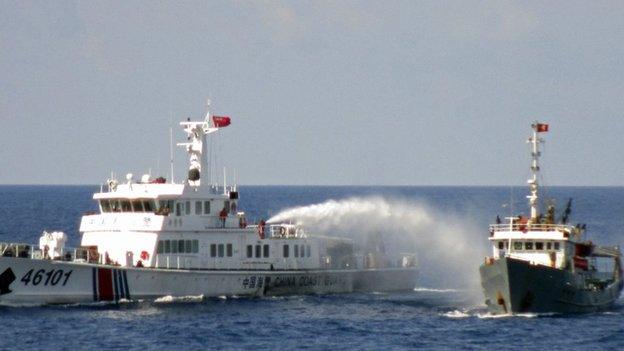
[(450, 247)]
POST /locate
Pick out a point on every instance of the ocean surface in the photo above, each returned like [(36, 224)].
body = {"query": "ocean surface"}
[(447, 227)]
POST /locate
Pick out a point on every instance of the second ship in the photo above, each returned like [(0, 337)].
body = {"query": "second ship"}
[(541, 266)]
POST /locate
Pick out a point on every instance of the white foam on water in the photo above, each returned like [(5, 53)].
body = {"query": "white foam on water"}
[(488, 315), (456, 314), (20, 305), (611, 313), (516, 315), (178, 299), (423, 289)]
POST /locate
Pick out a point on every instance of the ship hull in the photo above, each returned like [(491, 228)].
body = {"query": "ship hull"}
[(516, 286), (385, 279), (33, 281)]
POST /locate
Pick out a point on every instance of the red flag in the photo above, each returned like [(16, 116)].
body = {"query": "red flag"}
[(221, 121), (541, 127)]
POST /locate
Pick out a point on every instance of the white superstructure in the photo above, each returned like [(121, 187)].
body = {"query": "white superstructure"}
[(191, 225), (538, 238)]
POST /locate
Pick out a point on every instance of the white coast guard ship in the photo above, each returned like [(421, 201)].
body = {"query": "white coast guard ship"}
[(538, 265), (152, 239)]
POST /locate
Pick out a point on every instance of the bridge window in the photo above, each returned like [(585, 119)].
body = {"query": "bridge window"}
[(195, 246), (198, 207), (206, 207), (221, 250), (178, 209), (228, 249), (137, 206), (528, 245), (115, 207), (161, 247), (517, 245), (125, 206), (167, 246), (539, 246), (188, 246), (286, 251), (266, 250), (213, 250), (148, 206), (249, 251), (105, 205), (501, 245), (181, 246), (165, 206), (296, 250), (188, 208), (308, 250), (174, 246), (258, 251), (557, 246)]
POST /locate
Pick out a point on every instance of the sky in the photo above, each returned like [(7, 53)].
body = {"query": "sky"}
[(319, 92)]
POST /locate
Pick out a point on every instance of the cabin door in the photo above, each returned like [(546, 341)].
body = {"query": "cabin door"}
[(203, 254)]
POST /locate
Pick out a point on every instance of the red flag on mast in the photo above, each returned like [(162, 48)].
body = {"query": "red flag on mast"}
[(221, 121), (541, 127)]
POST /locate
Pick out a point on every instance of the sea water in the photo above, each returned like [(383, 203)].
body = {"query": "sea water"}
[(446, 226)]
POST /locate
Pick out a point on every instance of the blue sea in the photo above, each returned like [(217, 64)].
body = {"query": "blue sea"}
[(441, 313)]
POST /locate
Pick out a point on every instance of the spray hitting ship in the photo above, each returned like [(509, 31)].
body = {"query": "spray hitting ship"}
[(539, 266), (152, 238)]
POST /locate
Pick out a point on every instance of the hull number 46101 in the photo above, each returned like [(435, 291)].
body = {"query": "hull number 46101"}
[(51, 277)]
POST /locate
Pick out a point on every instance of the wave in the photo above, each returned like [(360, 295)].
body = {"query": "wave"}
[(456, 314), (478, 313), (425, 289), (177, 299), (21, 305), (67, 305), (517, 315)]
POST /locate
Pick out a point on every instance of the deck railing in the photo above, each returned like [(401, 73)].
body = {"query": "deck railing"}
[(23, 250), (535, 227)]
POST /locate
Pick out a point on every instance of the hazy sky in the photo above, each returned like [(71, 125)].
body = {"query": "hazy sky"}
[(320, 92)]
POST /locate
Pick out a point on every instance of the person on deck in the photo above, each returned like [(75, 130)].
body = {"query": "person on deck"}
[(223, 215)]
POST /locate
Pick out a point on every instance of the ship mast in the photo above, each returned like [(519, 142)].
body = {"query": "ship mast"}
[(535, 154), (197, 148)]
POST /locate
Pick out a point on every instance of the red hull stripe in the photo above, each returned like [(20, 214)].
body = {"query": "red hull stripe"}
[(110, 284), (105, 284)]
